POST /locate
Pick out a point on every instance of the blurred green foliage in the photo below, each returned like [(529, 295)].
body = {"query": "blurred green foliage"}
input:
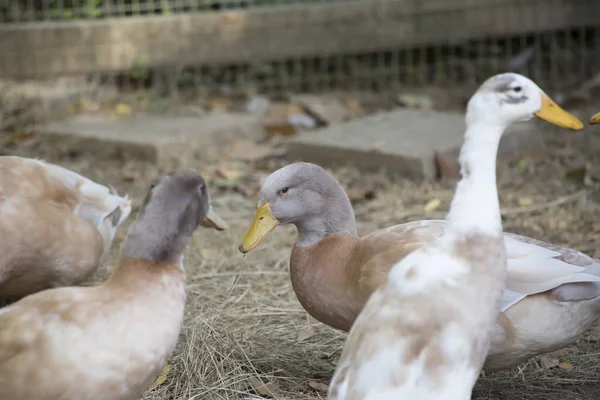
[(36, 10), (57, 10)]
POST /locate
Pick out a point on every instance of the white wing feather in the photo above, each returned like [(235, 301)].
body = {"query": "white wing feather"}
[(97, 201), (535, 269)]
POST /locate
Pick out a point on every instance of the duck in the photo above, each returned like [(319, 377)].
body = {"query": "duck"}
[(57, 225), (110, 341), (552, 293), (426, 332)]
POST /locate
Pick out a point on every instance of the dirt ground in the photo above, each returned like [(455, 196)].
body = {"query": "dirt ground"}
[(246, 336)]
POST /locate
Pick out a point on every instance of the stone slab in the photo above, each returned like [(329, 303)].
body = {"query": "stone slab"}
[(169, 141), (401, 142), (26, 103)]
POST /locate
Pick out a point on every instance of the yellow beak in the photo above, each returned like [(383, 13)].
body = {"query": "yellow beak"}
[(595, 119), (551, 112), (213, 220), (264, 222)]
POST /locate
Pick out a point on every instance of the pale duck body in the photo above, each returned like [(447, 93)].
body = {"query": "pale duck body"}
[(426, 332), (58, 225), (109, 341)]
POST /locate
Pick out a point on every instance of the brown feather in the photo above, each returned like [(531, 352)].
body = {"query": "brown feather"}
[(334, 278)]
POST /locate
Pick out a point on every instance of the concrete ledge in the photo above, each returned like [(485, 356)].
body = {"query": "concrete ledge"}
[(277, 33)]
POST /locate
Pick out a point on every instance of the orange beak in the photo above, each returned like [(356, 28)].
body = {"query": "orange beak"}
[(551, 112)]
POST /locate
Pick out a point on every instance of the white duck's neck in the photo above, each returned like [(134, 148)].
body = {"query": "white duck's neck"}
[(475, 206)]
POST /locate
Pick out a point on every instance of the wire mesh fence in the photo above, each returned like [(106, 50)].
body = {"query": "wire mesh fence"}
[(173, 46)]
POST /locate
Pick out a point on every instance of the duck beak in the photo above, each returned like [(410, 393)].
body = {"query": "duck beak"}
[(595, 119), (551, 112), (212, 220), (264, 222)]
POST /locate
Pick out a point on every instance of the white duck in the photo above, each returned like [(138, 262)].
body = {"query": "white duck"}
[(425, 333), (109, 341)]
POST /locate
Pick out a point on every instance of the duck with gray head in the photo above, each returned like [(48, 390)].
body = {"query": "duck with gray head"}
[(552, 294), (110, 341)]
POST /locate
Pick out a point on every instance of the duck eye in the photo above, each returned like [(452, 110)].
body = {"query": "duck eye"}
[(284, 190), (517, 89)]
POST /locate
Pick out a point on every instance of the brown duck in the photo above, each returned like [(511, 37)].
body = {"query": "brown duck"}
[(110, 341), (552, 294)]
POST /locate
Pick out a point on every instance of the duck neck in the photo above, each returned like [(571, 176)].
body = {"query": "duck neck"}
[(136, 275), (475, 206), (159, 241), (336, 217)]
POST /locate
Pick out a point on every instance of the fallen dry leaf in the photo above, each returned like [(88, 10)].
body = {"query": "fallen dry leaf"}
[(162, 377), (131, 175), (522, 164), (415, 100), (321, 387), (87, 105), (285, 109), (246, 150), (360, 193), (286, 119), (18, 138), (354, 106), (432, 205), (446, 168), (83, 105), (123, 109), (284, 129), (209, 254), (265, 389), (323, 109), (229, 173), (548, 362), (305, 333), (220, 103), (525, 201), (565, 365)]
